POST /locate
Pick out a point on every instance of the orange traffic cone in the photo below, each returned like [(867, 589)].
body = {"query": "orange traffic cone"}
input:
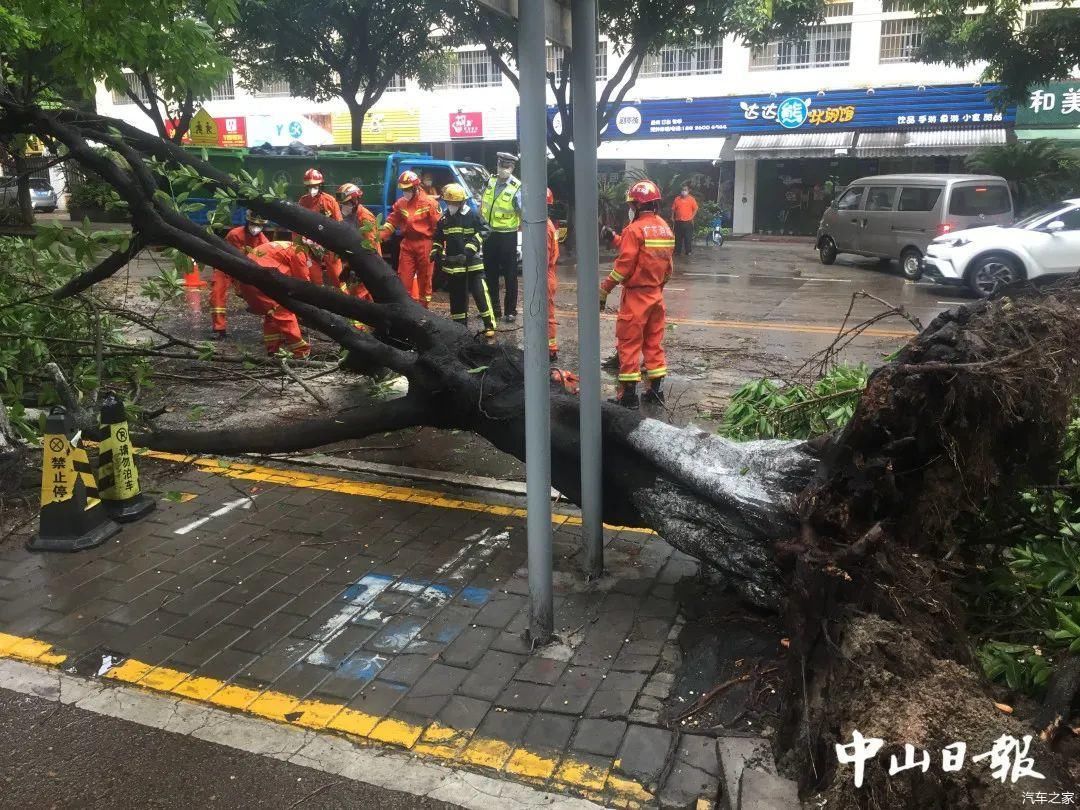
[(193, 278)]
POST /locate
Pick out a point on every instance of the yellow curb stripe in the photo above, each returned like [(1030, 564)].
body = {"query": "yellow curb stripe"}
[(437, 742), (758, 326), (329, 483)]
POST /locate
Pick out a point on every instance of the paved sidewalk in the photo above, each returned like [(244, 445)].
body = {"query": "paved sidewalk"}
[(384, 612)]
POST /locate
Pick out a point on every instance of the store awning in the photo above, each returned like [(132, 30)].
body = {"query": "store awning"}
[(794, 145), (661, 149), (926, 142), (1055, 134)]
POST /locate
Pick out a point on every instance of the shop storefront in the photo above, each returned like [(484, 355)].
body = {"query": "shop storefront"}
[(793, 151), (1051, 111)]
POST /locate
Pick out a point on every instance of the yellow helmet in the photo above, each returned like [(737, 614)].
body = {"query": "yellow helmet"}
[(453, 192)]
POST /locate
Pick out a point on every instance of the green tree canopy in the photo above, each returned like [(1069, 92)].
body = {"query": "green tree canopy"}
[(348, 49), (1020, 48)]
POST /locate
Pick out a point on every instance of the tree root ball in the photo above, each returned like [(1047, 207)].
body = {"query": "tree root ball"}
[(886, 684)]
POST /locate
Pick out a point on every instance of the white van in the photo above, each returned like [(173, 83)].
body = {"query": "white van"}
[(895, 216)]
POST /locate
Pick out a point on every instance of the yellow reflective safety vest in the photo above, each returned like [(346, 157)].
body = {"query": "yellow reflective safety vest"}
[(499, 210)]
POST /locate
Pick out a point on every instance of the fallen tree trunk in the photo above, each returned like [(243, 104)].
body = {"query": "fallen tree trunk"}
[(853, 536)]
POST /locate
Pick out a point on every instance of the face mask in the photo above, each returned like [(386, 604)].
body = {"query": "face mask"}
[(684, 193), (314, 191), (348, 210), (255, 230), (630, 212), (408, 195), (504, 174), (453, 208)]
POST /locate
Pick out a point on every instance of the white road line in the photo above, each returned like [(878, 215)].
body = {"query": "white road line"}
[(328, 753), (243, 503), (814, 278), (954, 303), (711, 275)]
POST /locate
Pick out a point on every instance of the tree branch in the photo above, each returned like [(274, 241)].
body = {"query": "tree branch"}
[(107, 267), (380, 417)]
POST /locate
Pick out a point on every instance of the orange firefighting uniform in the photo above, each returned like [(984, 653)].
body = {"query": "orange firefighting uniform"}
[(219, 291), (366, 219), (280, 326), (326, 205), (417, 219), (552, 283), (643, 267)]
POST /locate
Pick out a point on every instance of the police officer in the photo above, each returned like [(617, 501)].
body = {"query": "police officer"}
[(501, 209)]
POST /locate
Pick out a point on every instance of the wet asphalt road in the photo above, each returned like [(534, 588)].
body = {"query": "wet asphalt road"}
[(58, 756), (736, 313)]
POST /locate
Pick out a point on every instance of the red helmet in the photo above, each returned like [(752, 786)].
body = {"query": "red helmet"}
[(550, 197), (349, 192), (313, 177), (408, 179), (643, 191)]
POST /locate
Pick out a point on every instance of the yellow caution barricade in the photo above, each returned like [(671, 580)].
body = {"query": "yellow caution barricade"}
[(117, 476), (72, 515)]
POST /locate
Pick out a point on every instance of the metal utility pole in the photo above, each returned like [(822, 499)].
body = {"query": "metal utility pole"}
[(583, 88), (533, 141)]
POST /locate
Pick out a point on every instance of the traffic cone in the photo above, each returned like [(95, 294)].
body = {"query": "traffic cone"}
[(72, 517), (193, 278), (117, 476)]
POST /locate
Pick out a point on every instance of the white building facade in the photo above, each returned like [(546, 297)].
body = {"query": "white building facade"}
[(775, 128)]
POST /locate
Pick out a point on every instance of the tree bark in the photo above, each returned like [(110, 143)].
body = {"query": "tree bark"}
[(22, 187), (357, 111)]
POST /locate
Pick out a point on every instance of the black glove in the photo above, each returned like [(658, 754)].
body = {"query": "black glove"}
[(455, 261)]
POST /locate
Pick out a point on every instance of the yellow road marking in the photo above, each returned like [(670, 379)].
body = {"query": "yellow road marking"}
[(345, 486), (758, 326), (436, 741)]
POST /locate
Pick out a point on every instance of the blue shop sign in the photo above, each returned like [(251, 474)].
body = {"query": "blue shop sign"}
[(906, 108)]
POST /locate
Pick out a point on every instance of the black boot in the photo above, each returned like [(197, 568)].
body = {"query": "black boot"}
[(553, 355), (655, 394), (627, 396), (611, 363)]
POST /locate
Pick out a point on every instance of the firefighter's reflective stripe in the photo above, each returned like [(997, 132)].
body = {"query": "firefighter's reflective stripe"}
[(660, 243), (652, 373), (630, 377), (470, 267), (616, 277)]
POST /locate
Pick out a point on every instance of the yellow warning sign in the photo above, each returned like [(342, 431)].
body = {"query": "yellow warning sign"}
[(116, 468), (203, 130), (58, 475), (86, 474)]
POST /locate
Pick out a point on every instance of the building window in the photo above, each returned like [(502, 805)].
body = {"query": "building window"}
[(900, 39), (897, 6), (698, 59), (555, 59), (397, 84), (136, 87), (1040, 14), (823, 46), (272, 89), (224, 91), (472, 69), (840, 9)]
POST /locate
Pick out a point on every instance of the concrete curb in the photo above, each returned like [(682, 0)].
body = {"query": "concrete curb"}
[(748, 776), (330, 754)]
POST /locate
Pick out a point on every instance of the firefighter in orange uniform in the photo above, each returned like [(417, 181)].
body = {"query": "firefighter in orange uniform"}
[(355, 213), (320, 202), (416, 214), (552, 280), (280, 327), (245, 238), (643, 267)]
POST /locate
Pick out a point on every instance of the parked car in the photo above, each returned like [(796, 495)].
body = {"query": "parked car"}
[(1045, 244), (42, 196), (895, 216)]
